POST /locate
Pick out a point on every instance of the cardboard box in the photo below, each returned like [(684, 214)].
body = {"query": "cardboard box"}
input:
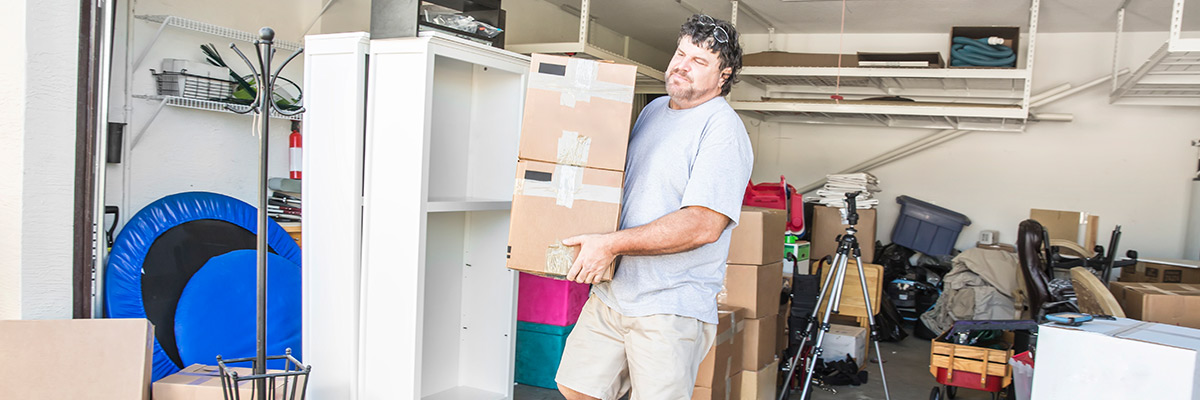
[(1068, 225), (735, 387), (757, 288), (827, 226), (762, 336), (739, 339), (901, 60), (203, 382), (1122, 359), (1011, 36), (842, 340), (760, 384), (1165, 303), (1162, 270), (758, 237), (714, 372), (554, 202), (577, 112), (703, 393), (785, 59), (97, 359)]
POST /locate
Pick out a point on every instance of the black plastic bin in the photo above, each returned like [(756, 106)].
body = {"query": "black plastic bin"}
[(927, 228)]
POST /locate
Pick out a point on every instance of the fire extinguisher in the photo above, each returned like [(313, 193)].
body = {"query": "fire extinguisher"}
[(295, 152)]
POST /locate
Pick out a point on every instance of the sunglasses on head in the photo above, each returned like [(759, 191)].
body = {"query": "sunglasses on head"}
[(718, 33)]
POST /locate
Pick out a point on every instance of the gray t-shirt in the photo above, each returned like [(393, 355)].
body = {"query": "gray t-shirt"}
[(678, 158)]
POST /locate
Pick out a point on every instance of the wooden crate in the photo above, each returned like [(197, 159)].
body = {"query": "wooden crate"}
[(962, 358), (852, 300)]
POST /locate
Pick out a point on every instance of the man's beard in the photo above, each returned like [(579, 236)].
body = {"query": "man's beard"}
[(683, 91)]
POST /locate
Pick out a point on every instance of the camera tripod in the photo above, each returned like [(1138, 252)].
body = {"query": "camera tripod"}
[(847, 246)]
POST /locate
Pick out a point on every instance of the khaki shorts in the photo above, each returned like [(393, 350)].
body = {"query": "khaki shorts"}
[(656, 355)]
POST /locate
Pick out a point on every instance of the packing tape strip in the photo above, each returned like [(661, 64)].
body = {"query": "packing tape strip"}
[(566, 186), (579, 84), (573, 148), (559, 259)]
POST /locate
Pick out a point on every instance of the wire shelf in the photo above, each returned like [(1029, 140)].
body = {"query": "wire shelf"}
[(204, 27), (207, 105)]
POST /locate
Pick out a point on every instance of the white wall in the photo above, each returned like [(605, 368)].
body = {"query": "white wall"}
[(1131, 165), (12, 150), (191, 150), (37, 129)]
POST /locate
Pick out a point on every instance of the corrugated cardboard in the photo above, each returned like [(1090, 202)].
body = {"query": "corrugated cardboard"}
[(1162, 270), (203, 382), (739, 338), (758, 237), (577, 112), (762, 337), (715, 369), (735, 386), (1011, 36), (554, 202), (760, 384), (703, 393), (757, 288), (1068, 225), (1166, 303), (827, 226), (98, 359), (842, 340), (1122, 359), (785, 59)]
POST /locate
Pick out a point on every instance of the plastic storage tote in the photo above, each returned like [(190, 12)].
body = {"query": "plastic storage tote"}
[(927, 228)]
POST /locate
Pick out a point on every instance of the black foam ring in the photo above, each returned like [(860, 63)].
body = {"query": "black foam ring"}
[(173, 258)]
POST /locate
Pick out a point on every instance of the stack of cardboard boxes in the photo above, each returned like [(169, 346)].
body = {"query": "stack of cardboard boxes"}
[(569, 179), (570, 170), (754, 283)]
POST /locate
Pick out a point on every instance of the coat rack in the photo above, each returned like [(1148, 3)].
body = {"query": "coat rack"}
[(293, 379)]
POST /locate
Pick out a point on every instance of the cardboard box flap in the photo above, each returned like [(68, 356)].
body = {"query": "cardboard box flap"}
[(580, 79)]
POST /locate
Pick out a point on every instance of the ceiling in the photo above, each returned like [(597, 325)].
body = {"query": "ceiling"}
[(656, 21)]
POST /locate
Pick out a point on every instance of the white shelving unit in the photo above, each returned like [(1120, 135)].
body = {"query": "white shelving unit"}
[(649, 80), (435, 307), (335, 74), (1171, 76), (945, 98)]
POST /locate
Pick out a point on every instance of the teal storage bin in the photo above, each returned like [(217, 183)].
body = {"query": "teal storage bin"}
[(539, 350)]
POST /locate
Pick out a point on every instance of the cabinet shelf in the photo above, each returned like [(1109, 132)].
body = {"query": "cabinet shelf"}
[(466, 204), (465, 393), (896, 114)]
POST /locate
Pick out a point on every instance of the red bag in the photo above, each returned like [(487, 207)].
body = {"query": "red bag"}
[(780, 196)]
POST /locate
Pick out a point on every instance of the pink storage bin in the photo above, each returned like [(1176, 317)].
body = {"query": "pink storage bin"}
[(542, 300)]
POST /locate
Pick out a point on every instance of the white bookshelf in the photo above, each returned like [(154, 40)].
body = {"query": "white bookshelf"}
[(438, 316), (417, 302)]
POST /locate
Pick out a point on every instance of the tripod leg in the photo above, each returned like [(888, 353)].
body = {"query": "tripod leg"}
[(835, 292), (874, 337), (836, 300), (812, 319)]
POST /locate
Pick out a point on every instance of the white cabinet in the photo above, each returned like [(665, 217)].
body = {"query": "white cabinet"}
[(436, 307)]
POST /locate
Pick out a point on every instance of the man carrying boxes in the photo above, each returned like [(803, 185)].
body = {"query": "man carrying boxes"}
[(650, 322)]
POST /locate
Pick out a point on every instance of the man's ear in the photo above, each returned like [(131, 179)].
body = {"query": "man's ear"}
[(725, 73)]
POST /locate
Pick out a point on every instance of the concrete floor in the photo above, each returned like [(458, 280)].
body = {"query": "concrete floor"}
[(906, 365)]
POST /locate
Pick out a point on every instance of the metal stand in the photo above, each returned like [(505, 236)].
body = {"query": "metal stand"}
[(847, 245), (264, 80)]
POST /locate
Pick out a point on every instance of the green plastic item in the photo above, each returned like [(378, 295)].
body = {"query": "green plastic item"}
[(795, 247), (539, 351)]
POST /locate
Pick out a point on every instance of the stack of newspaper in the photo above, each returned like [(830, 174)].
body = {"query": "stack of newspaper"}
[(836, 187)]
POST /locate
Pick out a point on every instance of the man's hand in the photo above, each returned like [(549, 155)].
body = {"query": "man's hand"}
[(594, 258)]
